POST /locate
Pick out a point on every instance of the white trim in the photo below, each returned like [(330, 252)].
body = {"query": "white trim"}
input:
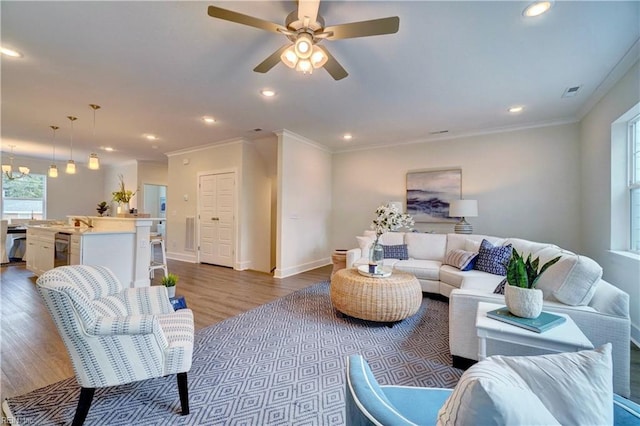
[(293, 270), (206, 146), (300, 138), (191, 258), (242, 266)]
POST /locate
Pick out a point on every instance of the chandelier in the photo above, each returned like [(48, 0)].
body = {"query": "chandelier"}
[(7, 169)]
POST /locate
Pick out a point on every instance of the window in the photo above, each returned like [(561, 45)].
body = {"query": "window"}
[(634, 182), (24, 198)]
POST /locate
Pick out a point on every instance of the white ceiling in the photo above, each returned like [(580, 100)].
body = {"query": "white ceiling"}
[(158, 67)]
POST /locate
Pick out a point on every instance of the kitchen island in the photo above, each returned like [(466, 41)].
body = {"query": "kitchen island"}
[(121, 244)]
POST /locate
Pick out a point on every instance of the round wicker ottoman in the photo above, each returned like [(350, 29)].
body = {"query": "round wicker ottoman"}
[(375, 299)]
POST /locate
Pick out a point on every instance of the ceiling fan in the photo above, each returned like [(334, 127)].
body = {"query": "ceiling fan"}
[(305, 28)]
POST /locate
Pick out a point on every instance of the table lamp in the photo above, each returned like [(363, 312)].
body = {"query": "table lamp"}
[(462, 209)]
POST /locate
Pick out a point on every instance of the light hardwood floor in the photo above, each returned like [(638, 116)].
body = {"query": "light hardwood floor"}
[(33, 355)]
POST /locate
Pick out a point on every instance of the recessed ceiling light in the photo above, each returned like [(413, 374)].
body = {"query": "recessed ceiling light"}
[(537, 8), (268, 93), (10, 52), (151, 137), (209, 120), (108, 148), (347, 136), (516, 109)]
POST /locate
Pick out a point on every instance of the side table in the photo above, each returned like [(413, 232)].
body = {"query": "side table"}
[(566, 337)]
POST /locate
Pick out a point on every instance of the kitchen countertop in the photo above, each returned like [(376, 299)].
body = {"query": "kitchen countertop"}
[(79, 230)]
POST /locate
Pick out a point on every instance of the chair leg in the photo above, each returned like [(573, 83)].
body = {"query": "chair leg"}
[(86, 396), (184, 393)]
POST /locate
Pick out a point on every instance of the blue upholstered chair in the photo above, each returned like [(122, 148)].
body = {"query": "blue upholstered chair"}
[(368, 403), (115, 335)]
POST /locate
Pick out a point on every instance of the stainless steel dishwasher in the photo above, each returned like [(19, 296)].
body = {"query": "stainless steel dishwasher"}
[(62, 245)]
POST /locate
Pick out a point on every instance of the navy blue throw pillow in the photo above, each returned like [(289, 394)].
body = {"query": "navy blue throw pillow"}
[(493, 259), (396, 252)]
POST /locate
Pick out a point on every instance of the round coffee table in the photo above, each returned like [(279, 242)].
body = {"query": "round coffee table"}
[(387, 299)]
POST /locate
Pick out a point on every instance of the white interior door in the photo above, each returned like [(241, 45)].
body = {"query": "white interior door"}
[(217, 215)]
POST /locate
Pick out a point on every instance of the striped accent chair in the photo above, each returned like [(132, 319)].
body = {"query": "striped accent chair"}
[(115, 335)]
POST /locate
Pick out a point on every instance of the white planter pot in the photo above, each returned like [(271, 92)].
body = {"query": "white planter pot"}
[(523, 302), (171, 291)]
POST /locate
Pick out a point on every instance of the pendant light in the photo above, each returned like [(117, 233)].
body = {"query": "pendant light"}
[(71, 165), (94, 161), (53, 169)]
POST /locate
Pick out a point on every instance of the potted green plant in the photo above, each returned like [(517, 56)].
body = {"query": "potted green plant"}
[(102, 207), (521, 296), (170, 281), (122, 196)]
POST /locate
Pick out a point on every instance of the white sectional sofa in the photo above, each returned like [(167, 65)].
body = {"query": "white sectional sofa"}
[(572, 286)]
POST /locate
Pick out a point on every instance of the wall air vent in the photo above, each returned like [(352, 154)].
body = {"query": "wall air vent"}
[(571, 91), (439, 132)]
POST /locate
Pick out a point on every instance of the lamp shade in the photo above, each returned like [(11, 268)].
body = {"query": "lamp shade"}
[(463, 208)]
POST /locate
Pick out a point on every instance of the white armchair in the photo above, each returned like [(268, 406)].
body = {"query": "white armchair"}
[(114, 335)]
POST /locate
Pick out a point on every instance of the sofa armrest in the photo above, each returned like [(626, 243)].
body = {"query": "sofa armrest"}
[(600, 328), (353, 255)]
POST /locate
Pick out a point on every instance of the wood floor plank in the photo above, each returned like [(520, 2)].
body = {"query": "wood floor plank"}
[(32, 354)]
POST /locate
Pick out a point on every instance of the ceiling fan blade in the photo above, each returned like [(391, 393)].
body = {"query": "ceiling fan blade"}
[(308, 9), (365, 28), (271, 61), (239, 18), (333, 67)]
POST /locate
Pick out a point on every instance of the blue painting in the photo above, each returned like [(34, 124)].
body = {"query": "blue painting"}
[(430, 192)]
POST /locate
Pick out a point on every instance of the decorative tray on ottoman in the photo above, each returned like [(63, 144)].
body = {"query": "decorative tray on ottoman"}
[(383, 271)]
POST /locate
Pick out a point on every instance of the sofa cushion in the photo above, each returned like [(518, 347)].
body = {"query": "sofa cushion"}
[(422, 269), (454, 277), (398, 251), (526, 247), (493, 259), (426, 246), (459, 241), (572, 280), (463, 260), (388, 238), (566, 388)]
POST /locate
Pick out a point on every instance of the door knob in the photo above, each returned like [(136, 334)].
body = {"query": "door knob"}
[(215, 218)]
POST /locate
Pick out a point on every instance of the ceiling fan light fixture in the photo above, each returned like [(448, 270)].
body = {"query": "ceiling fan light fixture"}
[(289, 57), (318, 57), (23, 170), (7, 169), (304, 66), (304, 46)]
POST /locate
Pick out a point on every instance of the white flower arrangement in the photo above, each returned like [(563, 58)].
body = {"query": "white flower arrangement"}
[(388, 219)]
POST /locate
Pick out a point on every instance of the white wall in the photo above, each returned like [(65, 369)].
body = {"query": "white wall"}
[(526, 183), (183, 183), (77, 194), (304, 205), (595, 157)]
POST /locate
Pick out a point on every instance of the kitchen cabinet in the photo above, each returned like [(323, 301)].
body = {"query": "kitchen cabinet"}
[(40, 250)]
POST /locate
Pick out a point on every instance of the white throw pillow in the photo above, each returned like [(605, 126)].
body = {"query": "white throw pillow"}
[(574, 388), (572, 280), (471, 245), (365, 245)]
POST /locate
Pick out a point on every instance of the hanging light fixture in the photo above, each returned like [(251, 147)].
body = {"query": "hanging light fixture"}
[(7, 169), (71, 165), (94, 161), (53, 169), (303, 55)]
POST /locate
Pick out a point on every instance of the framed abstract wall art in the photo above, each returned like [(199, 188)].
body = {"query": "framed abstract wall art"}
[(429, 193)]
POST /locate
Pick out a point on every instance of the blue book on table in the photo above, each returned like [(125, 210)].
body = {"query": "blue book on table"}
[(543, 323)]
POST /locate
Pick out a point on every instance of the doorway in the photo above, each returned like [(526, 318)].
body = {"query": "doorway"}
[(216, 228), (155, 203)]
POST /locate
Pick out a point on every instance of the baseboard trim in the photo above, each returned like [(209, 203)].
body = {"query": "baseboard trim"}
[(242, 266), (191, 258), (293, 270)]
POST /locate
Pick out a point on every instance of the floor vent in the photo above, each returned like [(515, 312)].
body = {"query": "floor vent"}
[(190, 234)]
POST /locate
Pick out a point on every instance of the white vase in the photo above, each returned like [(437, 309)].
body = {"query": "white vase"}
[(523, 302), (171, 291)]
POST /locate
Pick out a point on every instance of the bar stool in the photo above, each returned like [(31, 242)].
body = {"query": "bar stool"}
[(153, 242)]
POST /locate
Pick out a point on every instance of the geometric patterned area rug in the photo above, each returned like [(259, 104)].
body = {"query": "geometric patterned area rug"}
[(282, 363)]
